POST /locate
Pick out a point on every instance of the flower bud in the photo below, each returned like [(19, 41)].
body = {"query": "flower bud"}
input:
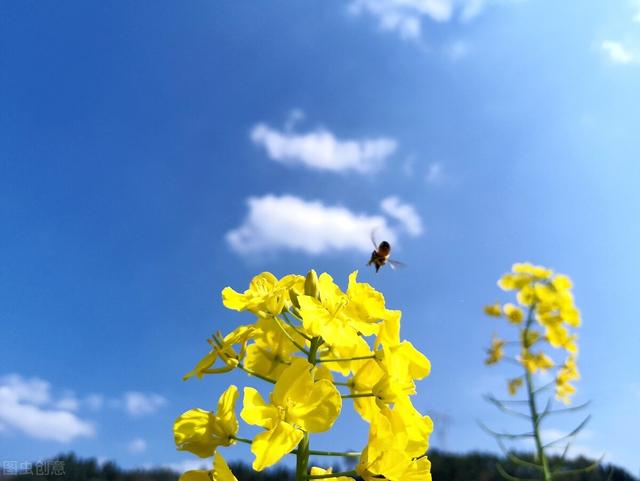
[(293, 295), (311, 284)]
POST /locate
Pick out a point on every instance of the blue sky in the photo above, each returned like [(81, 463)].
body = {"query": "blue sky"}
[(152, 153)]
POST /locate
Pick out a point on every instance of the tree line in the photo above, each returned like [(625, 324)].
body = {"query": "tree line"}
[(473, 466)]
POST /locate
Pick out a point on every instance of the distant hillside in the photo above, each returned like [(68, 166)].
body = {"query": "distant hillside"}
[(445, 467)]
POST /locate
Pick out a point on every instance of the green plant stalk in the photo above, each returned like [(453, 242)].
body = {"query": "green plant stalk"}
[(302, 456), (533, 409)]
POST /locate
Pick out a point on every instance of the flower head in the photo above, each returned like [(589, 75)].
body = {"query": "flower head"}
[(201, 432), (298, 403), (550, 304), (386, 455), (265, 295)]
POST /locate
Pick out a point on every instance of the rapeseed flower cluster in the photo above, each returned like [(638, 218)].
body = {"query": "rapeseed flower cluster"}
[(318, 346), (545, 316)]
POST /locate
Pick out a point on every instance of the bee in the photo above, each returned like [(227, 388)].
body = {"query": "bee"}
[(380, 255)]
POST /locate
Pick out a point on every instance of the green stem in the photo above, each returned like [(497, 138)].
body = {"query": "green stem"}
[(302, 455), (341, 383), (350, 454), (340, 359), (365, 394), (288, 321), (259, 376), (284, 331), (533, 409), (302, 458), (332, 475)]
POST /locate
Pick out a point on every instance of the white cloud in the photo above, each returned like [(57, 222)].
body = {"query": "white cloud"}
[(404, 213), (288, 222), (140, 404), (185, 465), (403, 16), (617, 52), (27, 405), (137, 446), (320, 149)]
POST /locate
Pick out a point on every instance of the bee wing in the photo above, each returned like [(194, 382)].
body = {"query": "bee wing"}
[(396, 264), (373, 239)]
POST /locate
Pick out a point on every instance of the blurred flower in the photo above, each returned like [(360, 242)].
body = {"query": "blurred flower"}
[(493, 310), (514, 314), (496, 351)]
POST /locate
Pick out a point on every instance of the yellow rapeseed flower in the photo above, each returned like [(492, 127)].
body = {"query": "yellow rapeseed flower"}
[(528, 337), (567, 373), (365, 377), (493, 310), (534, 362), (496, 352), (386, 455), (298, 403), (400, 358), (201, 432), (513, 313), (514, 385), (537, 272), (266, 294), (223, 349), (272, 350), (366, 307)]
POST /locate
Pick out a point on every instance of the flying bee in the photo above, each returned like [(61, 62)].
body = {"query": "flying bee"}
[(381, 255)]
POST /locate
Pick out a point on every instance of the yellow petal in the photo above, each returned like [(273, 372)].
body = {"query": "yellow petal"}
[(195, 475), (417, 363), (295, 382), (234, 300), (315, 471), (270, 446), (264, 361), (318, 409), (418, 470), (413, 426), (226, 415), (389, 334), (205, 363), (192, 432), (256, 412), (221, 471)]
